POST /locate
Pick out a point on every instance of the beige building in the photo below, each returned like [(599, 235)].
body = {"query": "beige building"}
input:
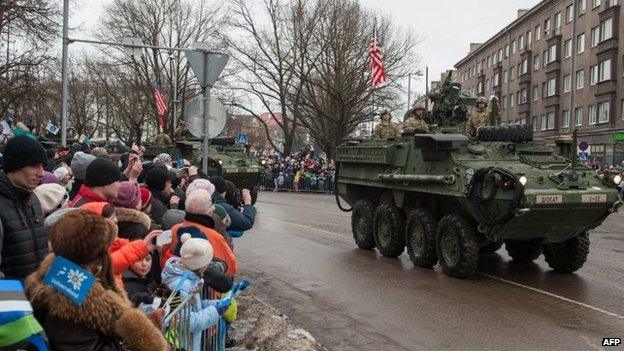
[(558, 67)]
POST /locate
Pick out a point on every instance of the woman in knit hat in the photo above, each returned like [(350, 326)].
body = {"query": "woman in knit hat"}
[(106, 319), (52, 197), (186, 272)]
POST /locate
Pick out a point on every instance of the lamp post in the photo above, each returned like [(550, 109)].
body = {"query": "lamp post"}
[(409, 86)]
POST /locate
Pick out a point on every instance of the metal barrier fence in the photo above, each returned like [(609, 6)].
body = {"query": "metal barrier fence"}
[(320, 185)]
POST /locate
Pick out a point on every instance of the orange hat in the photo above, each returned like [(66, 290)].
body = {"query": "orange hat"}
[(103, 209)]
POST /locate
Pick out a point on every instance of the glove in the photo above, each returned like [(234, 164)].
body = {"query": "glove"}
[(223, 305)]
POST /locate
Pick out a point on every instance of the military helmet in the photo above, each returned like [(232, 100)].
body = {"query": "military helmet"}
[(418, 105), (385, 112), (481, 99)]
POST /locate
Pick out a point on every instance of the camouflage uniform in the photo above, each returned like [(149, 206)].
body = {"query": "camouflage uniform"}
[(181, 133), (477, 119), (416, 124), (386, 131), (162, 138)]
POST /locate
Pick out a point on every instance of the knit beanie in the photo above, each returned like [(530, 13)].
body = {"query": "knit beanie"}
[(128, 195), (146, 198), (219, 184), (171, 218), (23, 151), (61, 172), (79, 164), (192, 231), (200, 184), (162, 158), (195, 253), (81, 236), (48, 178), (156, 178), (51, 196), (222, 213), (102, 172)]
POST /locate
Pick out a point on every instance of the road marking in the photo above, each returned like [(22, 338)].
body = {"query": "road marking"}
[(539, 291), (597, 309)]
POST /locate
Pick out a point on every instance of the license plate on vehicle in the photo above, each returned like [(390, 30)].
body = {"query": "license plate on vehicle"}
[(549, 199), (594, 199)]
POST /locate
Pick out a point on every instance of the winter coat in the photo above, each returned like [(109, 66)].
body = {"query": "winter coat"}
[(160, 205), (221, 249), (101, 322), (203, 312), (85, 195), (123, 254), (133, 224), (23, 241), (139, 290), (240, 221)]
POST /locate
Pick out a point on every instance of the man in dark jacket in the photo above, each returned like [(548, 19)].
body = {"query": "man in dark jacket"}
[(158, 180), (241, 221), (101, 183), (22, 238)]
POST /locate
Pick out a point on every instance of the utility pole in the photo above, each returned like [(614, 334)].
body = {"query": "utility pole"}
[(64, 72), (427, 89)]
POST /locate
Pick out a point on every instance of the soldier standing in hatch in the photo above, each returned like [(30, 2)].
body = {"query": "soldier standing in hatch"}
[(416, 123), (386, 129), (478, 117), (181, 133)]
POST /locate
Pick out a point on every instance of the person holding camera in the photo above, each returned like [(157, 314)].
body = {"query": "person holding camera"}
[(241, 220)]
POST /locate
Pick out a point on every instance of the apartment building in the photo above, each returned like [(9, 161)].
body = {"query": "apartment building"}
[(558, 67)]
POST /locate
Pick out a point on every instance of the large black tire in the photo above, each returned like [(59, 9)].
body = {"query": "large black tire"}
[(491, 247), (254, 195), (420, 238), (568, 256), (458, 251), (362, 224), (389, 230), (523, 251)]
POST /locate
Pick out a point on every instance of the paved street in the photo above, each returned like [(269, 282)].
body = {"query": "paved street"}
[(302, 260)]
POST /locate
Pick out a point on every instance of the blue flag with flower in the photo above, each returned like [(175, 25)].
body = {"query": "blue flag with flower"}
[(70, 279)]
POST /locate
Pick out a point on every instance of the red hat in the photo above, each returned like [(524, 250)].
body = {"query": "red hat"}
[(146, 198)]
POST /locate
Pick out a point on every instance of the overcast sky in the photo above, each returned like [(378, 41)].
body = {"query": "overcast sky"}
[(446, 27)]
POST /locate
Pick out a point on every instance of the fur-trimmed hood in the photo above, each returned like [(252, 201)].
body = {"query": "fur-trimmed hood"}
[(133, 224), (103, 310), (132, 215)]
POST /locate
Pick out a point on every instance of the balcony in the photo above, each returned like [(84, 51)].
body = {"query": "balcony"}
[(551, 101), (606, 87), (525, 78), (524, 108), (607, 45), (553, 66)]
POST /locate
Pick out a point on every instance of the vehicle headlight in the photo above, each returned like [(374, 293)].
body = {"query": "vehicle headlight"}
[(617, 179), (523, 180), (263, 162), (220, 162)]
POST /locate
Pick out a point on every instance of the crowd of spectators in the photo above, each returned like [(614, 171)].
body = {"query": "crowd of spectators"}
[(301, 171), (145, 229)]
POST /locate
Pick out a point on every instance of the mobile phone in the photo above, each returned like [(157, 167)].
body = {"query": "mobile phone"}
[(164, 238)]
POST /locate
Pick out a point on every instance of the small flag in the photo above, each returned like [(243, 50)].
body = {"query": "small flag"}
[(161, 106), (52, 128), (376, 56)]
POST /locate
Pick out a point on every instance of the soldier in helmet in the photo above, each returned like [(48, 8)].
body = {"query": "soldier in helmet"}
[(162, 138), (386, 129), (478, 117), (416, 122), (181, 133)]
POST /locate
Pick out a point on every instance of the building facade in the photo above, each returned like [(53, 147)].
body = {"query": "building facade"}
[(558, 67)]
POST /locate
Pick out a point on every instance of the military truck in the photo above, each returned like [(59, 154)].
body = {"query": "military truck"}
[(225, 159), (448, 199)]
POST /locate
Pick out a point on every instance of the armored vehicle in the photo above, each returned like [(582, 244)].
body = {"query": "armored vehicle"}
[(447, 198), (226, 159)]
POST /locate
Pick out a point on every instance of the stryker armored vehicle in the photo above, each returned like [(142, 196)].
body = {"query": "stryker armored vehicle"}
[(226, 159), (447, 198)]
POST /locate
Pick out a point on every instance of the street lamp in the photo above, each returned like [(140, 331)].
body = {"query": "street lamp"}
[(409, 86)]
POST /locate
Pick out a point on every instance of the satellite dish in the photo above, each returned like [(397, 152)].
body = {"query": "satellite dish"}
[(194, 117)]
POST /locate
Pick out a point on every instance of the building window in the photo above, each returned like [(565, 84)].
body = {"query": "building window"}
[(507, 51), (547, 26), (500, 55), (495, 80), (595, 36), (593, 75), (551, 87), (567, 48), (565, 118), (552, 53), (544, 123), (524, 66), (538, 32), (505, 76), (580, 43), (521, 42), (567, 83), (512, 100), (536, 62), (489, 61), (606, 29), (578, 114), (513, 47), (550, 117), (595, 3), (580, 79), (558, 20), (512, 73), (535, 93), (569, 13), (603, 112), (582, 4), (523, 98), (535, 121), (504, 101), (529, 37), (593, 114), (545, 59), (604, 70)]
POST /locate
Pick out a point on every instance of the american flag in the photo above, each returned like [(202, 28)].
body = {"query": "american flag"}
[(374, 52), (161, 106)]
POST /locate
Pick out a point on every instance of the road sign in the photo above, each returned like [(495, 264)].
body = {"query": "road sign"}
[(618, 136), (214, 62), (583, 157), (241, 138), (130, 47), (583, 145), (194, 116)]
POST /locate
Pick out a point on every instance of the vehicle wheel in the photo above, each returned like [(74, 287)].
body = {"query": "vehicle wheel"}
[(362, 224), (568, 256), (420, 238), (458, 251), (523, 251), (491, 247), (389, 230), (254, 195)]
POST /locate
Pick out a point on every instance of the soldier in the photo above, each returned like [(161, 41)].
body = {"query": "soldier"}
[(386, 129), (478, 117), (162, 138), (181, 133), (416, 123)]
